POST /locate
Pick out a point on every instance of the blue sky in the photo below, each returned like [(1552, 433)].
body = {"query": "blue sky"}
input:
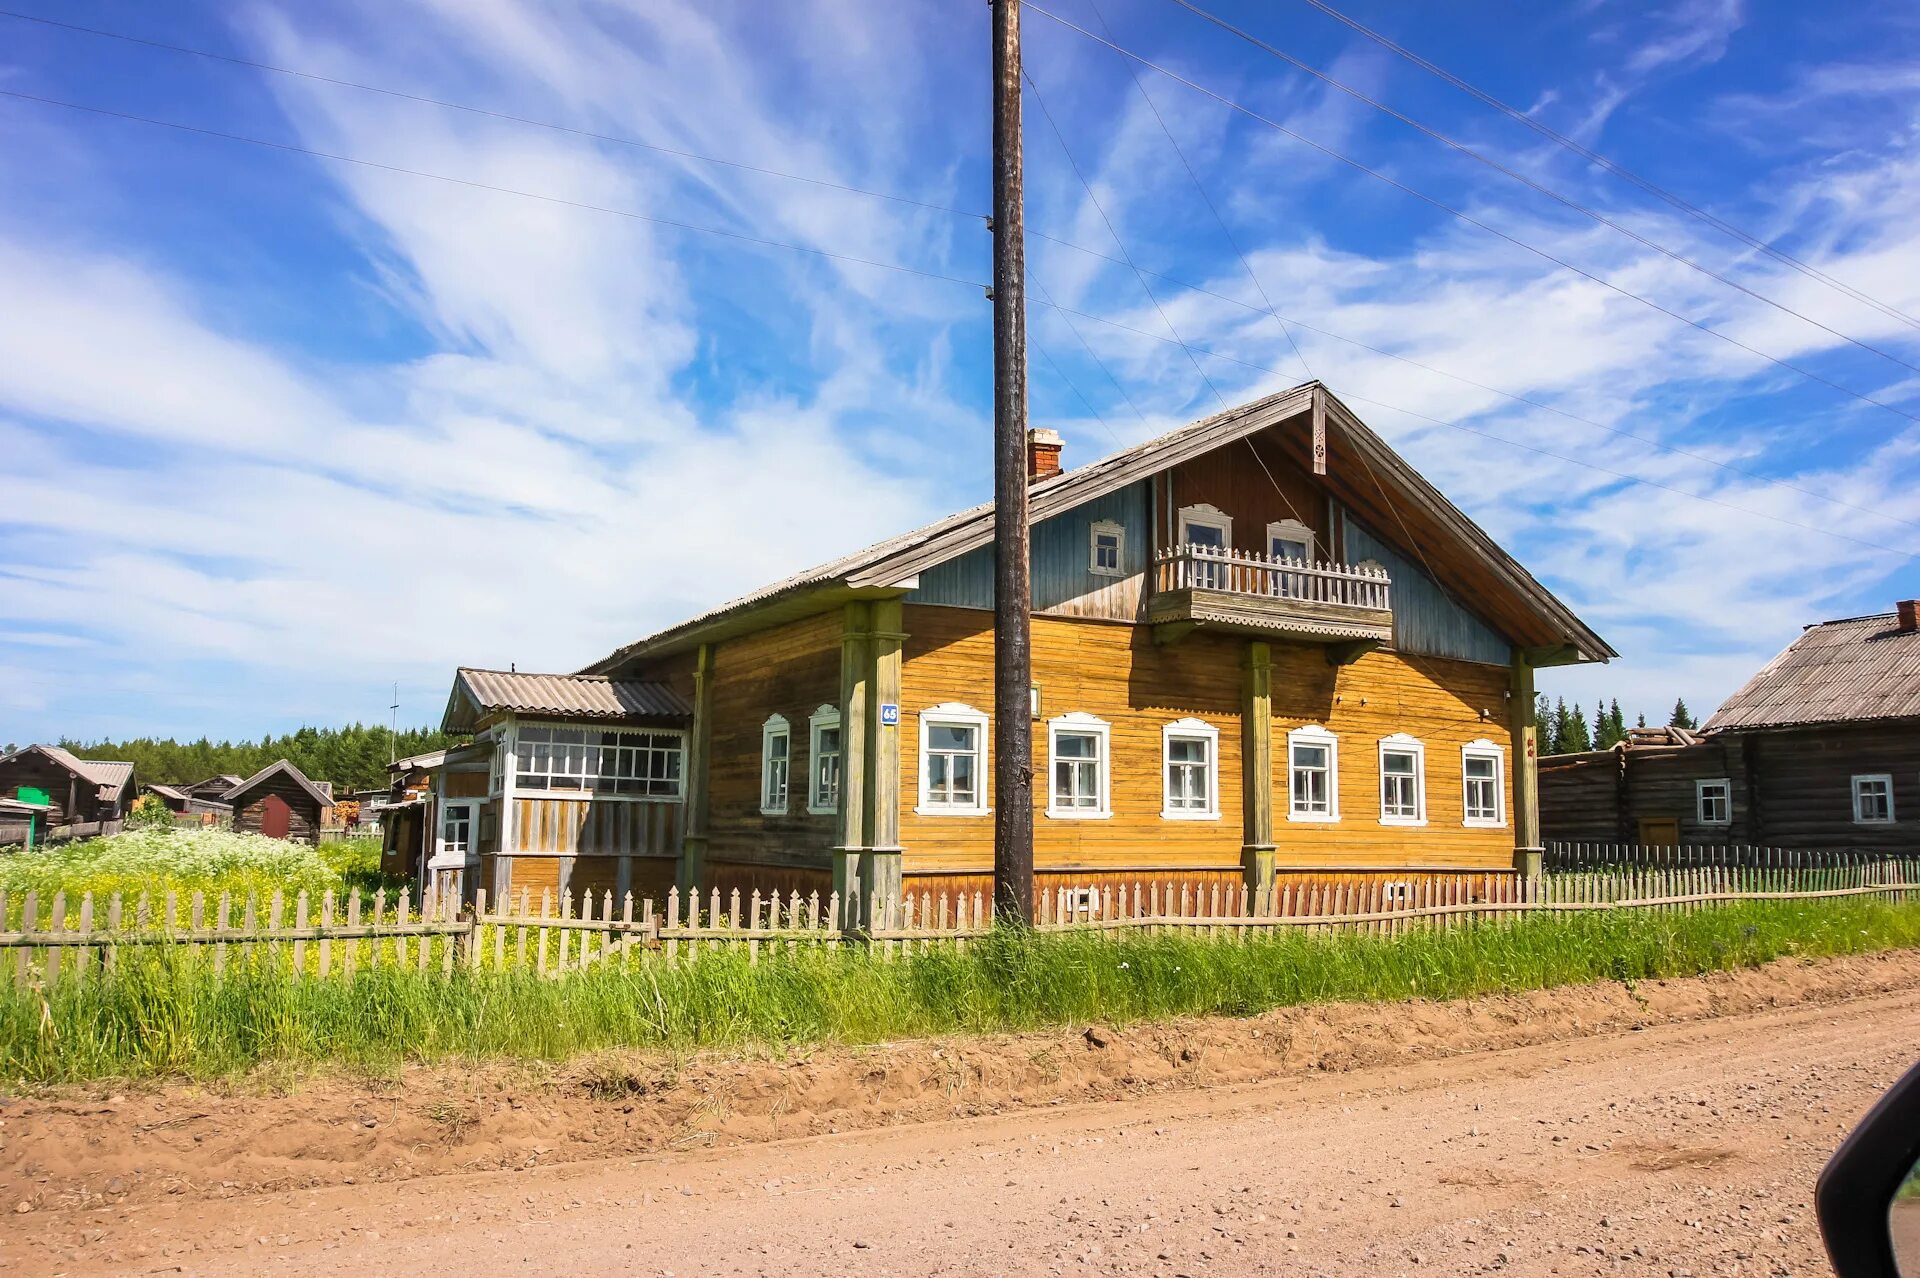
[(279, 431)]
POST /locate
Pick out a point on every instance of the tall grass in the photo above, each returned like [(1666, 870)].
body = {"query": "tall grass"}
[(200, 859), (161, 1012)]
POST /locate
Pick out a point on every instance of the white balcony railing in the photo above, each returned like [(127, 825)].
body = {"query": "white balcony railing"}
[(1191, 567)]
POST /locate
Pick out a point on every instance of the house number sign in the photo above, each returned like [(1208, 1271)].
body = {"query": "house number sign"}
[(889, 714)]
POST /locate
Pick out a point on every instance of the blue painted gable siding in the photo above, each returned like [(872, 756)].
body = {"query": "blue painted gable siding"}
[(1061, 560), (1425, 620)]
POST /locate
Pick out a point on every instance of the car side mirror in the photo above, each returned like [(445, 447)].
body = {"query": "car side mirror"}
[(1868, 1198)]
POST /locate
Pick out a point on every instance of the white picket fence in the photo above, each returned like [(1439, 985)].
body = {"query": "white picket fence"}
[(50, 938)]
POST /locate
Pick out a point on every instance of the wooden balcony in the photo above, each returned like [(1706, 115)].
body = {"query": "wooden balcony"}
[(1348, 608)]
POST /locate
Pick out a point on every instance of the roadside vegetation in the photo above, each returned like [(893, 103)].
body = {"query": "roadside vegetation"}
[(163, 1012), (157, 859)]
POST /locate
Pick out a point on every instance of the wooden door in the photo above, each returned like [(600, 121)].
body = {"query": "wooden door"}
[(1660, 832), (275, 817)]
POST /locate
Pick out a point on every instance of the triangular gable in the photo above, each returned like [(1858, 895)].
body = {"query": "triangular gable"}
[(239, 793)]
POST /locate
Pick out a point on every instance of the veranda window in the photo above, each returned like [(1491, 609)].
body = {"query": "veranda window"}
[(598, 760)]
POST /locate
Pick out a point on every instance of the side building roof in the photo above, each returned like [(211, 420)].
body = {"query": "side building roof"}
[(478, 694), (1853, 670)]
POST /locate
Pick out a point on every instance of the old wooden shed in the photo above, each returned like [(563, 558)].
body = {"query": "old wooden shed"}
[(279, 802)]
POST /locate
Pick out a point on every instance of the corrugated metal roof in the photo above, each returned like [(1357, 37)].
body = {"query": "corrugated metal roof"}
[(167, 791), (572, 696), (105, 773), (887, 562), (284, 765), (1837, 671)]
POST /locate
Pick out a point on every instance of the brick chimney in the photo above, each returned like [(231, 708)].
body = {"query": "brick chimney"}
[(1909, 612), (1043, 453)]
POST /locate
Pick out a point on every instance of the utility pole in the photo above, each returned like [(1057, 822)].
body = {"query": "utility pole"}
[(1012, 589), (393, 727)]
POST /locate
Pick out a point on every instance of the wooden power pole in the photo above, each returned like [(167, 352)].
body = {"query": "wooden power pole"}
[(1012, 590)]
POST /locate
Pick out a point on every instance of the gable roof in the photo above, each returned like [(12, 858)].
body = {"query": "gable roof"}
[(110, 775), (1858, 668), (479, 693), (1367, 475), (167, 791), (283, 767)]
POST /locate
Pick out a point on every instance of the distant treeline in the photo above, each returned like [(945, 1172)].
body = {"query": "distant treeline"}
[(1564, 731), (353, 758)]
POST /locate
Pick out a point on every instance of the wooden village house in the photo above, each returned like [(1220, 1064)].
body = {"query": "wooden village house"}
[(69, 790), (1262, 645), (281, 803), (198, 798), (1819, 751)]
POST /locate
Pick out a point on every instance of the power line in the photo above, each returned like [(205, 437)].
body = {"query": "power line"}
[(1530, 183), (1206, 199), (1268, 309), (1619, 171), (488, 112), (1501, 439), (740, 236), (1061, 373), (1092, 354), (1469, 219)]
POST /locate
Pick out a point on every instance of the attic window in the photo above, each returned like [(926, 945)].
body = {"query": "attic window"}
[(1107, 549)]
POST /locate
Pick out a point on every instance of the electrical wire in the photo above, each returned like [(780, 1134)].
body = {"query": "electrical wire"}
[(1470, 220), (1593, 157), (1539, 187)]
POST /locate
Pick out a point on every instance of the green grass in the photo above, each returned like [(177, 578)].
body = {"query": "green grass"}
[(163, 1013), (206, 859)]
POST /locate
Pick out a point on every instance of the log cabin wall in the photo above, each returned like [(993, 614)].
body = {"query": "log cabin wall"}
[(304, 811), (1118, 674), (791, 670), (71, 798), (1790, 788)]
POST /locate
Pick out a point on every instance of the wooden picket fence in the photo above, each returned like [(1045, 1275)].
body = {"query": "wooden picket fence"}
[(43, 939)]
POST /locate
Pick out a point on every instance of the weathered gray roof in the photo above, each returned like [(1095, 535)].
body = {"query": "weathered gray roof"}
[(1837, 671), (167, 791), (105, 773), (897, 559), (429, 760), (477, 693), (286, 766)]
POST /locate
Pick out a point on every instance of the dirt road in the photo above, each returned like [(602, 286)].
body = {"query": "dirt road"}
[(1680, 1148)]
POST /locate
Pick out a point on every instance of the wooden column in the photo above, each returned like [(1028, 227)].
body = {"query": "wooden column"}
[(692, 870), (880, 864), (1256, 767), (1527, 849), (856, 754)]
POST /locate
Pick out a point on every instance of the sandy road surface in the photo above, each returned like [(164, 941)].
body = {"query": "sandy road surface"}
[(1682, 1148)]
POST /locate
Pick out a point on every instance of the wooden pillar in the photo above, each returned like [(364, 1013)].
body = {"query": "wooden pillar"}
[(692, 869), (1528, 851), (856, 817), (881, 861), (1256, 767)]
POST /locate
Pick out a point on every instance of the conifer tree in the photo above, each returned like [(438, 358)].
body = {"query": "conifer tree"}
[(1682, 718), (1543, 720), (1579, 737)]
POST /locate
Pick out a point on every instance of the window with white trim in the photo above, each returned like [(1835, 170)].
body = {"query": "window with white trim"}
[(1313, 774), (1211, 527), (776, 764), (604, 761), (1713, 801), (1403, 780), (823, 761), (1483, 767), (1077, 754), (1289, 539), (456, 830), (1106, 549), (1190, 782), (1873, 799), (953, 761)]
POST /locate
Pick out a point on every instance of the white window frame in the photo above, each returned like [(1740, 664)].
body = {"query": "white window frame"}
[(1190, 729), (1315, 734), (1402, 743), (1292, 530), (1107, 528), (953, 713), (821, 720), (443, 859), (1700, 800), (1081, 723), (1485, 749), (775, 726), (1205, 516), (1886, 778)]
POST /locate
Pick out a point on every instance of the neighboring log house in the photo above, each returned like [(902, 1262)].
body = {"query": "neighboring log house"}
[(1820, 751), (1262, 645), (279, 802), (73, 790)]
